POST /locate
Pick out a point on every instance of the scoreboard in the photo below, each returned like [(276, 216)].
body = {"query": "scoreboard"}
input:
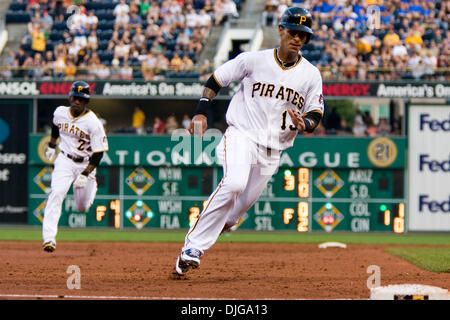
[(322, 184)]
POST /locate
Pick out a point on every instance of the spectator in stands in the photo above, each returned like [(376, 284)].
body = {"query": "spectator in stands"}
[(148, 66), (67, 38), (344, 129), (438, 37), (176, 63), (430, 63), (135, 21), (367, 119), (122, 51), (70, 70), (186, 122), (282, 6), (79, 19), (205, 70), (270, 14), (80, 39), (49, 62), (372, 130), (196, 44), (349, 65), (144, 8), (187, 63), (121, 7), (391, 38), (162, 63), (91, 21), (219, 12), (159, 126), (396, 129), (358, 129), (153, 12), (57, 7), (38, 39), (126, 72), (102, 72), (138, 121), (171, 124), (46, 21), (33, 5), (208, 7), (183, 39), (413, 39), (9, 63), (38, 67), (204, 19), (28, 68), (92, 41), (400, 50), (384, 127), (21, 56), (157, 48), (416, 66), (139, 39), (122, 20), (10, 58), (230, 9)]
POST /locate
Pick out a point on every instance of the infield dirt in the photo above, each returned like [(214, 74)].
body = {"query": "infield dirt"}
[(228, 271)]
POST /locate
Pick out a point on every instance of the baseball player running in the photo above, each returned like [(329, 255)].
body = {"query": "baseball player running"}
[(280, 94), (83, 141)]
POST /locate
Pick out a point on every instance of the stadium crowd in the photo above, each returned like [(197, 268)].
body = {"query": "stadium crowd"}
[(156, 39), (115, 39)]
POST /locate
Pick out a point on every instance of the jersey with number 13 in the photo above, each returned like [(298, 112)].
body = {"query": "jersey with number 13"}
[(80, 136), (268, 90)]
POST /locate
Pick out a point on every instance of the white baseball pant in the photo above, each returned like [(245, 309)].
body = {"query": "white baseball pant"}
[(64, 173), (247, 168)]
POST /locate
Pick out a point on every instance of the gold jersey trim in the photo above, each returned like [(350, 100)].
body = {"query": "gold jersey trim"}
[(279, 63)]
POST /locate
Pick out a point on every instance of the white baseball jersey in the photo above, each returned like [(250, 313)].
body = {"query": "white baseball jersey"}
[(268, 90), (80, 136)]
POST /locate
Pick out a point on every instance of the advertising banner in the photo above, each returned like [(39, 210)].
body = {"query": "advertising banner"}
[(14, 128), (429, 168), (185, 150), (193, 89)]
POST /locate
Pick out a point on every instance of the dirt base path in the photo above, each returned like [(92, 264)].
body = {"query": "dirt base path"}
[(228, 271)]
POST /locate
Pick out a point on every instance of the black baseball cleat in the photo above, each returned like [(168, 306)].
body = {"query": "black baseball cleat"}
[(49, 246), (187, 260)]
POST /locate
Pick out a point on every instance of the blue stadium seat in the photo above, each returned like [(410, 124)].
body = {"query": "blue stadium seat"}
[(102, 45), (17, 6), (137, 74)]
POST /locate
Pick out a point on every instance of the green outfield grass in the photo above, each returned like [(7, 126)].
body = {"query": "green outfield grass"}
[(431, 259), (152, 235)]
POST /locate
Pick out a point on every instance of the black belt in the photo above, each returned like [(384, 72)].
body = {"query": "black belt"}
[(73, 158), (269, 150)]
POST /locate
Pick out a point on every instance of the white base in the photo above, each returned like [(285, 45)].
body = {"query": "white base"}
[(332, 245), (409, 292)]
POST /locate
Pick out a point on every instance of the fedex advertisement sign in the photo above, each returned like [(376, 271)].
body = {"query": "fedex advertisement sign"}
[(429, 168)]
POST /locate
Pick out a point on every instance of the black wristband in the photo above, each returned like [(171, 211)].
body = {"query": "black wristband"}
[(52, 145), (203, 106), (308, 126), (85, 173), (95, 159)]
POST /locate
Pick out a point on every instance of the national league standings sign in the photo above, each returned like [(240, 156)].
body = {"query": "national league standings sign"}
[(429, 168)]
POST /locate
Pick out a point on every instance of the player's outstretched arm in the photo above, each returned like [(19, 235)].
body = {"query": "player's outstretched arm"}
[(199, 123), (82, 179), (50, 151), (308, 122)]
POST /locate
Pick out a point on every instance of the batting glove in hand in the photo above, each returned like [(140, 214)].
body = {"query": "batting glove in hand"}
[(80, 182), (50, 153)]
